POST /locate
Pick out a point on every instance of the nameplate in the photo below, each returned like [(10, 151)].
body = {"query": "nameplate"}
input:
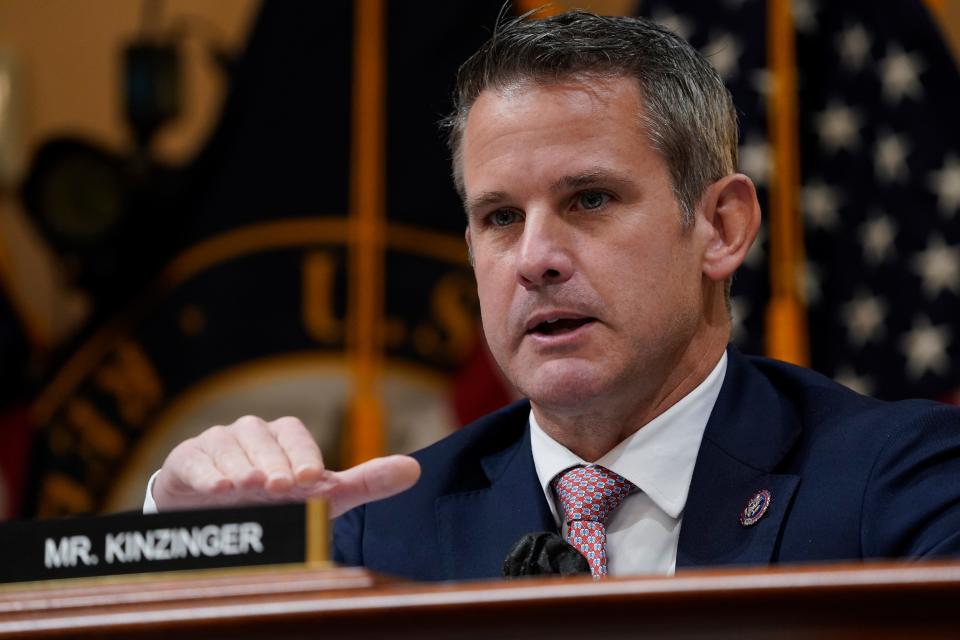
[(132, 542)]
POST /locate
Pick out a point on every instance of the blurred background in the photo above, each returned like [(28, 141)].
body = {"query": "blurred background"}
[(212, 208)]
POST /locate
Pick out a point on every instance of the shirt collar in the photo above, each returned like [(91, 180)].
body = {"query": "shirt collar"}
[(658, 458)]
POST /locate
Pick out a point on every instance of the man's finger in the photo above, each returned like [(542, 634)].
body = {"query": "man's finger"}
[(264, 452), (205, 478), (189, 478), (229, 457), (372, 480), (301, 450)]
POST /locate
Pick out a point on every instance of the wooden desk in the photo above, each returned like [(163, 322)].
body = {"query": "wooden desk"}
[(844, 601)]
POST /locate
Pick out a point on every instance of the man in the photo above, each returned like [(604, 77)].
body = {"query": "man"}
[(596, 159)]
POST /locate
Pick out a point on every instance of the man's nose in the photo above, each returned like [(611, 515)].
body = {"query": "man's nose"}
[(543, 253)]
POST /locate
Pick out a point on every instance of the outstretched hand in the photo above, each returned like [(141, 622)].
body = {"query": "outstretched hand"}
[(254, 461)]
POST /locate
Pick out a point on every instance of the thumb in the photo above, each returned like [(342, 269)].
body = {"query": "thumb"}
[(371, 480)]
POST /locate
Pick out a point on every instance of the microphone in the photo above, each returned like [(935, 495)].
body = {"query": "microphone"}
[(543, 553)]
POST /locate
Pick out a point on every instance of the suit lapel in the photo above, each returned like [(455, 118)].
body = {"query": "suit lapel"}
[(477, 528), (751, 429)]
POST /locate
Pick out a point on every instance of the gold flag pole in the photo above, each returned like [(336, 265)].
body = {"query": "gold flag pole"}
[(365, 438), (786, 320)]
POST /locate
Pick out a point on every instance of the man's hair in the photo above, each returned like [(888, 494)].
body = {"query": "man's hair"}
[(687, 112)]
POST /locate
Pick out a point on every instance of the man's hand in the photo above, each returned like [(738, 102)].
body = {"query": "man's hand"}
[(254, 462)]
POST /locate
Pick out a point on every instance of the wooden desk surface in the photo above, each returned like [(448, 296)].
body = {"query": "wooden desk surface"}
[(891, 600)]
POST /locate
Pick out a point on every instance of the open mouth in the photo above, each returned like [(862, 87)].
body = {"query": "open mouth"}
[(560, 326)]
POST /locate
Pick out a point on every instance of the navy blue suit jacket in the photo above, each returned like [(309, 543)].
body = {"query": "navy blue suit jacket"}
[(849, 478)]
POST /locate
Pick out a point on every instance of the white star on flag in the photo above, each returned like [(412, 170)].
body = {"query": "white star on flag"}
[(820, 202), (939, 267), (674, 22), (900, 73), (946, 184), (839, 127), (761, 80), (864, 316), (890, 158), (877, 235), (755, 158), (724, 52), (854, 46), (848, 377), (925, 347), (805, 15)]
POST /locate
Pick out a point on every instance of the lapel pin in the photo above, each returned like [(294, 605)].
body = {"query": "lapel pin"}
[(756, 508)]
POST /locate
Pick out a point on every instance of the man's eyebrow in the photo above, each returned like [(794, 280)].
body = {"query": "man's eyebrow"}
[(580, 180), (587, 178), (484, 199)]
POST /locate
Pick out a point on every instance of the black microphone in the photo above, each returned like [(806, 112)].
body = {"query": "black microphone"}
[(543, 553)]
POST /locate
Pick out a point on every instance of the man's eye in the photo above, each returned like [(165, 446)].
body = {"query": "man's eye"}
[(592, 199), (503, 217)]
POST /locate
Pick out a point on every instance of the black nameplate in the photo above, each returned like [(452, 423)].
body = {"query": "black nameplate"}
[(132, 542)]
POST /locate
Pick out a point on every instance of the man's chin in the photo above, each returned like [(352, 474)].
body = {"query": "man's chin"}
[(560, 388)]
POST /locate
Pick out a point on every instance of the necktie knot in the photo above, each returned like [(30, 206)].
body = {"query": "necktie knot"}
[(588, 496), (590, 493)]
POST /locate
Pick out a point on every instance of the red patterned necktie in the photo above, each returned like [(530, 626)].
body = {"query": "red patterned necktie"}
[(588, 496)]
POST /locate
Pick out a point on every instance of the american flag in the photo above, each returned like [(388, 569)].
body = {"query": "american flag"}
[(879, 105)]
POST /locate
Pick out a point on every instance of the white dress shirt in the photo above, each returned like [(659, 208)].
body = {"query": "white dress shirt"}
[(642, 534), (149, 504)]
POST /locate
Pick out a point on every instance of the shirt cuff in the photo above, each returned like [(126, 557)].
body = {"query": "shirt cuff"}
[(149, 504)]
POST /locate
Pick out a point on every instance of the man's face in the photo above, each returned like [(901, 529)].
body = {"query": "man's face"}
[(590, 289)]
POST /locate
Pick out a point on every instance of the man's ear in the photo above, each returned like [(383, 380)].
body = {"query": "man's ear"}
[(731, 211)]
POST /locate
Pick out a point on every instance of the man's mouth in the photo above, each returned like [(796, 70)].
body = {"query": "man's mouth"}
[(560, 325)]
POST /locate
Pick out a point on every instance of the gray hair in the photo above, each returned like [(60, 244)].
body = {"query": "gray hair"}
[(688, 113)]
